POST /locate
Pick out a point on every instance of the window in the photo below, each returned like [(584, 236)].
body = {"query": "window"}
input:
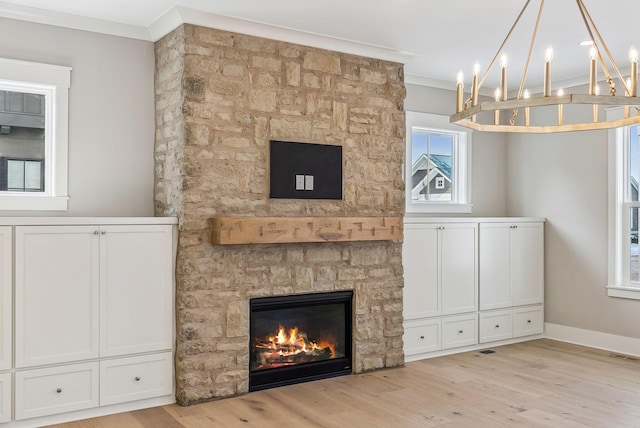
[(33, 135), (624, 207), (438, 165)]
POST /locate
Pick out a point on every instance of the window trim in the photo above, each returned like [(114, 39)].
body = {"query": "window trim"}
[(461, 170), (54, 81), (619, 284)]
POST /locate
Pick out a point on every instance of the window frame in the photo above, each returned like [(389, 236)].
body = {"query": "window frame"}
[(54, 82), (619, 283), (460, 165)]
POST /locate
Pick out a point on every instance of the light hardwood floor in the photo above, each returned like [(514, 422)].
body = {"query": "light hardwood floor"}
[(542, 383)]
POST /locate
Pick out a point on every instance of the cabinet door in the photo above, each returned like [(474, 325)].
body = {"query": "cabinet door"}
[(420, 262), (6, 302), (495, 289), (53, 390), (136, 378), (527, 263), (5, 397), (56, 287), (458, 267), (136, 289)]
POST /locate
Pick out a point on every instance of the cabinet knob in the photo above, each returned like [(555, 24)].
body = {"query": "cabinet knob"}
[(95, 232), (104, 232), (460, 331), (497, 325), (528, 321), (421, 337), (137, 378), (59, 390)]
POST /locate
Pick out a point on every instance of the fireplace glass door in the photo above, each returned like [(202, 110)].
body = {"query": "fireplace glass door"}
[(299, 338)]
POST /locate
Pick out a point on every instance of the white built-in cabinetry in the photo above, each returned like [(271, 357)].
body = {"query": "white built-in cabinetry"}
[(92, 315), (470, 282)]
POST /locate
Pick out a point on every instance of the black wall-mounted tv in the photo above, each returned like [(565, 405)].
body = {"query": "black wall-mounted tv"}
[(305, 170)]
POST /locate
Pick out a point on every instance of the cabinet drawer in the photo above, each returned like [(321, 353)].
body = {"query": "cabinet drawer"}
[(5, 397), (55, 390), (527, 321), (459, 331), (495, 326), (421, 336), (136, 378)]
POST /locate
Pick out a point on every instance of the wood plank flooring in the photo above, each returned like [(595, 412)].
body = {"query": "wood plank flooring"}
[(542, 383)]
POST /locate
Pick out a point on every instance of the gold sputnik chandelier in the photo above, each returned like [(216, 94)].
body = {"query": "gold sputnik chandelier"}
[(486, 116)]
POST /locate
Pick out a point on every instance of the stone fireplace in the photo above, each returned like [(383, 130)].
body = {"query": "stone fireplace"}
[(220, 98)]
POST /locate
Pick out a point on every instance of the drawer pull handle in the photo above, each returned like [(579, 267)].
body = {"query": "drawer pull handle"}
[(137, 378), (421, 337), (460, 331), (497, 325), (59, 390)]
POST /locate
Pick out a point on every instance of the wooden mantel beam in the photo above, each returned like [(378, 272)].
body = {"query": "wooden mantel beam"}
[(274, 230)]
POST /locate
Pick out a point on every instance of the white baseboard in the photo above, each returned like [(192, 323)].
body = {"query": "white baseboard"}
[(593, 339)]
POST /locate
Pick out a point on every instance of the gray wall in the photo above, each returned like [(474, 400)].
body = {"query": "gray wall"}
[(488, 152), (563, 177), (111, 114)]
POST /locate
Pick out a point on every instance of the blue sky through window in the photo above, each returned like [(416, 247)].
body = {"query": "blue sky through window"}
[(440, 144)]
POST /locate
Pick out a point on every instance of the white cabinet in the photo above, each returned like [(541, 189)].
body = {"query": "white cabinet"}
[(460, 330), (440, 269), (135, 378), (469, 282), (135, 289), (5, 397), (56, 308), (6, 299), (458, 267), (420, 259), (421, 336), (511, 264), (527, 321), (48, 391), (496, 325), (93, 317)]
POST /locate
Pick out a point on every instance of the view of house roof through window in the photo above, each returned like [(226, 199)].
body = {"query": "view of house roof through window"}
[(431, 171)]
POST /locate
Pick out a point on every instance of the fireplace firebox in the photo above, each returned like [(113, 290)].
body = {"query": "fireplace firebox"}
[(299, 338)]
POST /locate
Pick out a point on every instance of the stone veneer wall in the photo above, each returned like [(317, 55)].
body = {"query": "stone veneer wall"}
[(220, 98)]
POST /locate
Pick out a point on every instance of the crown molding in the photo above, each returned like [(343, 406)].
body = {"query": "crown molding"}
[(179, 15), (415, 79), (66, 20)]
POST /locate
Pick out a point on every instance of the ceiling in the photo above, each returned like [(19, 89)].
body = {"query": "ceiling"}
[(442, 37)]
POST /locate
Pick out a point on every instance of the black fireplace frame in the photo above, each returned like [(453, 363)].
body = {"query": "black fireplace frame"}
[(271, 378)]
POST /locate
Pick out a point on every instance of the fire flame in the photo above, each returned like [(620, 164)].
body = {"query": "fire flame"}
[(293, 342)]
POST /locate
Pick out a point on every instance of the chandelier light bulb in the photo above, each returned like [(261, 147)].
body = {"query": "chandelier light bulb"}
[(560, 92), (597, 90), (593, 53), (504, 60), (497, 94), (476, 68), (460, 77), (526, 94), (633, 55), (548, 55)]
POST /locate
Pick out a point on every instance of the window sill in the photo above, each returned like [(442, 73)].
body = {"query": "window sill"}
[(33, 203), (437, 208), (623, 292)]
